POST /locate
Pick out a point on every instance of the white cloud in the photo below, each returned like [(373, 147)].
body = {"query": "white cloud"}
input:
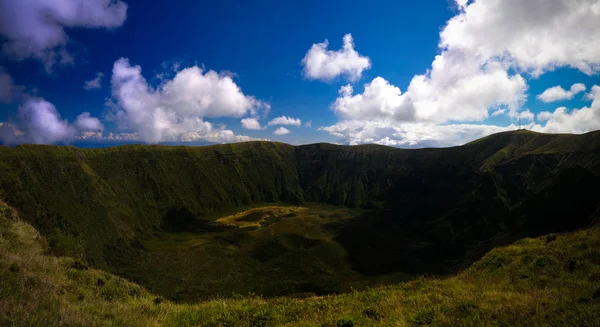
[(533, 36), (95, 83), (42, 124), (39, 122), (557, 93), (524, 115), (251, 123), (281, 131), (461, 3), (284, 120), (219, 136), (85, 122), (420, 134), (99, 136), (544, 116), (580, 120), (36, 28), (447, 93), (499, 112), (325, 65), (175, 110), (485, 52), (415, 134), (308, 123), (379, 100)]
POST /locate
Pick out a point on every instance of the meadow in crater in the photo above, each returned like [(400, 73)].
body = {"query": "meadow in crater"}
[(269, 250)]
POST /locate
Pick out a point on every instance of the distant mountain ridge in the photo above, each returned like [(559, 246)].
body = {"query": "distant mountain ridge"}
[(435, 205)]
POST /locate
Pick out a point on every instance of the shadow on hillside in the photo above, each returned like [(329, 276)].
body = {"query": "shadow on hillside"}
[(181, 219), (387, 241)]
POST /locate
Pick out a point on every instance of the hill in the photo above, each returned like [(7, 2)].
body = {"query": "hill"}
[(545, 281), (135, 210)]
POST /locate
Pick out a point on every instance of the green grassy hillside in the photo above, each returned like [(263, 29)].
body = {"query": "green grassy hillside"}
[(409, 212), (547, 281)]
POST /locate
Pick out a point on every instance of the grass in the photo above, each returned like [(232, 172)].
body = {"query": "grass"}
[(260, 216), (274, 250), (534, 282), (375, 216)]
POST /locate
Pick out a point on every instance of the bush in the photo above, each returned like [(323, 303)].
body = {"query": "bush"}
[(468, 307), (550, 238), (423, 317), (372, 314), (345, 322), (493, 260), (543, 261), (596, 295), (14, 268), (79, 265), (574, 264)]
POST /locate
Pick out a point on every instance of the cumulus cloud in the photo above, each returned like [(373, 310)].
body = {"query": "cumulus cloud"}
[(557, 93), (544, 116), (281, 131), (40, 123), (95, 83), (413, 134), (251, 123), (36, 28), (523, 115), (85, 122), (308, 123), (486, 51), (448, 92), (175, 110), (380, 99), (323, 64), (499, 112), (533, 36), (426, 134), (284, 120), (579, 120)]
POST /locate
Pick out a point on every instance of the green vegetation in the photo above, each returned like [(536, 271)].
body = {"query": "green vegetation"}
[(244, 224), (508, 287), (271, 251)]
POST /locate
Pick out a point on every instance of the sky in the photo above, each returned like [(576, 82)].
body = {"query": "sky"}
[(408, 74)]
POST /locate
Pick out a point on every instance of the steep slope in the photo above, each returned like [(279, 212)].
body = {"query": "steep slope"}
[(547, 281), (95, 197), (427, 210)]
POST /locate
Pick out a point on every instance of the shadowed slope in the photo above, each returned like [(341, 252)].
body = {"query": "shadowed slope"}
[(429, 210)]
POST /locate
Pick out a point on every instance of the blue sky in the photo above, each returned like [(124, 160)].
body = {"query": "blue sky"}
[(261, 45)]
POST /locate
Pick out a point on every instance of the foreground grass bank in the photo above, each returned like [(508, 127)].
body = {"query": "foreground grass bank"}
[(547, 281)]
